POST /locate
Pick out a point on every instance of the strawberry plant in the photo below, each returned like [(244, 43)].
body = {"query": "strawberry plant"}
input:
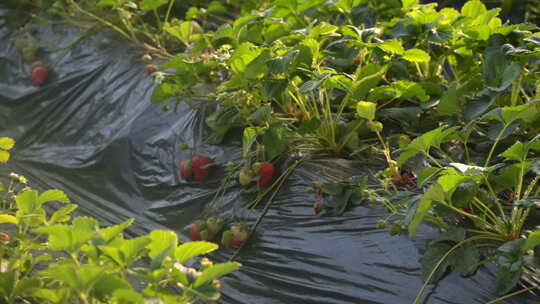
[(58, 258), (469, 193), (447, 98), (340, 195)]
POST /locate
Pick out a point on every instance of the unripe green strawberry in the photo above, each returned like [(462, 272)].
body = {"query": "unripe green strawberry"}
[(381, 224), (403, 141), (375, 126), (29, 52), (214, 225), (201, 224), (396, 228), (230, 166), (147, 58), (19, 44), (227, 238), (205, 235), (245, 176)]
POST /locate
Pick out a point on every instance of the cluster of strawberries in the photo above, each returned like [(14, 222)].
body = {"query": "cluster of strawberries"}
[(263, 173), (207, 230), (200, 166)]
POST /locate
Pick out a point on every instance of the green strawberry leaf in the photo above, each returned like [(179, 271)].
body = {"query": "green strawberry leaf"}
[(106, 287), (506, 279), (214, 272), (431, 258), (533, 240), (366, 110), (332, 188), (127, 296), (453, 234), (148, 5), (435, 193), (162, 240), (62, 215), (111, 232), (342, 201), (53, 195), (392, 46), (416, 55), (282, 64), (248, 139), (465, 260), (187, 251)]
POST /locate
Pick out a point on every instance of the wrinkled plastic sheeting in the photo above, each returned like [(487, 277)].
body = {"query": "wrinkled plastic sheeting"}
[(91, 131)]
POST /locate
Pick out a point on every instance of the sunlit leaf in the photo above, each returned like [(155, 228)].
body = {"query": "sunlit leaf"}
[(147, 5), (214, 272), (392, 46), (416, 55), (187, 251), (366, 110)]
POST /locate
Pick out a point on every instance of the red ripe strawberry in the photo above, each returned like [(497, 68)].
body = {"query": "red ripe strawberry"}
[(318, 207), (194, 232), (39, 75), (185, 169), (214, 225), (511, 197), (201, 166), (205, 235), (265, 172)]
